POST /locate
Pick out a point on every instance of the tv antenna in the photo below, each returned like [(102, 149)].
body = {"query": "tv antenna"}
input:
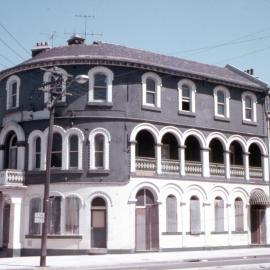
[(51, 36), (85, 17)]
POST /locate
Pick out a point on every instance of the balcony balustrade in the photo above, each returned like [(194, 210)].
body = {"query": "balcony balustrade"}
[(170, 166), (237, 171), (217, 169), (145, 164), (193, 167), (11, 177), (256, 173)]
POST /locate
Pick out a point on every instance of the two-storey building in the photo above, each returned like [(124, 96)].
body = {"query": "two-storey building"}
[(153, 153)]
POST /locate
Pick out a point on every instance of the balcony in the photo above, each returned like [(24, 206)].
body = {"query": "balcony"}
[(11, 177), (217, 169), (237, 171), (145, 165), (256, 173), (193, 167), (170, 166)]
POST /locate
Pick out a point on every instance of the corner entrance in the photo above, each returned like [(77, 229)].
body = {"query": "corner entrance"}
[(147, 222)]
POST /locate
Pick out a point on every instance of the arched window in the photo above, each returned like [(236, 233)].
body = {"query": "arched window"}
[(219, 214), (222, 102), (216, 152), (169, 147), (236, 154), (193, 149), (195, 215), (171, 214), (54, 220), (239, 214), (73, 151), (255, 157), (11, 151), (34, 207), (50, 76), (145, 146), (100, 85), (186, 96), (151, 87), (99, 149), (12, 88), (72, 215), (249, 112), (56, 161), (37, 153)]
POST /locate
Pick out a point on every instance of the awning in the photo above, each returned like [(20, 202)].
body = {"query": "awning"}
[(258, 197)]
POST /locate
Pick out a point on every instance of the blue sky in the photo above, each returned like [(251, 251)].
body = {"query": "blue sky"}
[(217, 32)]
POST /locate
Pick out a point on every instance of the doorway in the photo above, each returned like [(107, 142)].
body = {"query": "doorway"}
[(6, 223), (147, 221), (258, 224), (98, 223)]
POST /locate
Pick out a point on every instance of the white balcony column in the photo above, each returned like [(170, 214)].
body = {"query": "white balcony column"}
[(246, 165), (265, 168), (205, 162), (133, 156), (182, 160), (158, 158), (15, 225), (227, 164)]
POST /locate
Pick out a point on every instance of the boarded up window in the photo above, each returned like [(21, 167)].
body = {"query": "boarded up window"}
[(219, 214), (54, 215), (72, 215), (35, 206), (195, 215), (171, 214), (239, 215)]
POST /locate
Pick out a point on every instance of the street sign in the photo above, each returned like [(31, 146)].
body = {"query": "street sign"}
[(39, 217)]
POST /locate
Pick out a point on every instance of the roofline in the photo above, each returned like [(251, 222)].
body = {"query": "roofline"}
[(112, 61)]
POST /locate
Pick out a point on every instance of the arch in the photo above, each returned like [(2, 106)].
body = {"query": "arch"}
[(197, 191), (219, 136), (145, 126), (146, 185), (171, 189), (238, 192), (197, 134), (73, 194), (56, 128), (75, 131), (219, 191), (96, 131), (240, 140), (16, 128), (172, 130), (10, 81), (57, 194), (260, 143), (100, 194)]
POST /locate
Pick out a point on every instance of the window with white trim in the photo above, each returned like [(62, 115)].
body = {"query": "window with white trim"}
[(195, 215), (13, 91), (54, 220), (219, 214), (171, 214), (151, 90), (56, 156), (72, 222), (73, 151), (239, 214), (100, 85), (99, 149), (34, 207), (249, 110), (222, 102), (186, 96), (37, 154), (49, 77)]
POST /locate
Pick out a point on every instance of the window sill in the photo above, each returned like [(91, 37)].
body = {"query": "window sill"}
[(221, 118), (187, 113), (239, 232), (151, 108), (224, 232), (55, 236), (100, 104), (250, 123), (172, 233), (195, 234), (98, 172), (13, 109), (55, 171)]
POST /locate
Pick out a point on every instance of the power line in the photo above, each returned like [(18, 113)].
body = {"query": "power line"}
[(7, 59), (11, 49), (14, 38)]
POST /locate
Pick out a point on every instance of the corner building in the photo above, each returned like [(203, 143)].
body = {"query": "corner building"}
[(153, 153)]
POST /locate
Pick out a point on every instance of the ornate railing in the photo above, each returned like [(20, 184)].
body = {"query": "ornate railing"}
[(237, 171), (145, 164), (193, 167), (170, 166), (217, 169), (255, 173), (11, 177)]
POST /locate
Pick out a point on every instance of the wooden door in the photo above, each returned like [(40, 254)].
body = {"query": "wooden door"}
[(258, 225), (98, 228), (6, 222)]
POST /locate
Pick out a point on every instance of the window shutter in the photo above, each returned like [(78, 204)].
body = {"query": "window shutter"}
[(171, 214), (219, 215), (195, 217)]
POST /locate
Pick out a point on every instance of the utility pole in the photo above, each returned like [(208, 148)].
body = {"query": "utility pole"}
[(55, 93)]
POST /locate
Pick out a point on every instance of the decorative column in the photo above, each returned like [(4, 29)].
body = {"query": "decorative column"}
[(15, 226), (182, 159), (158, 158), (207, 223), (133, 156), (265, 168), (205, 162), (246, 165), (227, 164)]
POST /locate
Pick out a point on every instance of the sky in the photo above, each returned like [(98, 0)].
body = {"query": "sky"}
[(215, 32)]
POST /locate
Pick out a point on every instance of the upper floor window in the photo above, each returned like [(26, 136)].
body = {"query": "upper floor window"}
[(186, 96), (11, 151), (99, 149), (100, 85), (73, 151), (151, 88), (37, 153), (50, 76), (56, 157), (221, 102), (249, 112), (12, 88)]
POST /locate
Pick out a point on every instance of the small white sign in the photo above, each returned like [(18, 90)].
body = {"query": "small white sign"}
[(39, 217)]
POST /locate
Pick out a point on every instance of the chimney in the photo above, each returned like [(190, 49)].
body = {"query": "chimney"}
[(40, 47), (76, 40)]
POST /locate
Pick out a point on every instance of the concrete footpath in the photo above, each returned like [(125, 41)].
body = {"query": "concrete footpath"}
[(120, 261)]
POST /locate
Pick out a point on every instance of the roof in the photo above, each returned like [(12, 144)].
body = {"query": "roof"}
[(107, 51)]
